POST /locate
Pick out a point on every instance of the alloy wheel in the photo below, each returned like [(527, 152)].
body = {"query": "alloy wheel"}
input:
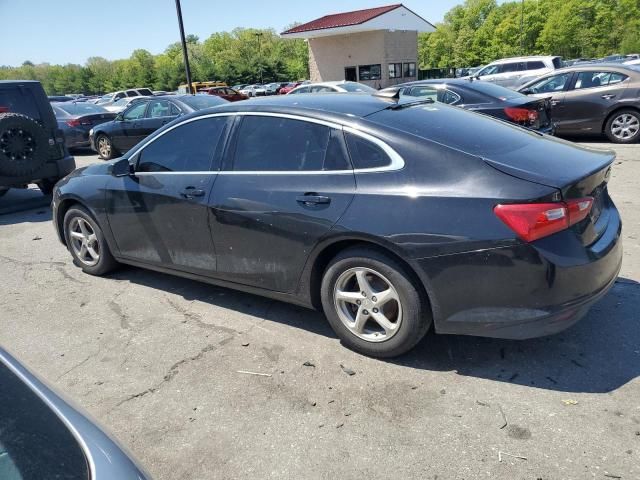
[(84, 241), (104, 147), (625, 126), (368, 304)]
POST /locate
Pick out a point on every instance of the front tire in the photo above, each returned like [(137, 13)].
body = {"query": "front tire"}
[(373, 303), (623, 126), (105, 147), (86, 242)]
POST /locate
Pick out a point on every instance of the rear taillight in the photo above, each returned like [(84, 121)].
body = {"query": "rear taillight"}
[(532, 221), (521, 115), (4, 109), (73, 123)]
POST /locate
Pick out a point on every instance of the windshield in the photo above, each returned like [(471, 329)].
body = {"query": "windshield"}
[(488, 70), (357, 87), (198, 102), (81, 108)]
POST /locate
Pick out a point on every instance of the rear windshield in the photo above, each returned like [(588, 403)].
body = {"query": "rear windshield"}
[(495, 91), (19, 100), (81, 108), (34, 443), (198, 102), (441, 123)]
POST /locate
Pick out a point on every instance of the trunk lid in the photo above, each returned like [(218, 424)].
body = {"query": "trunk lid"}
[(96, 119)]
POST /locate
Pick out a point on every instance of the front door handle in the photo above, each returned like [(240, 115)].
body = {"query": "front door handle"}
[(608, 96), (192, 192), (313, 199), (555, 102)]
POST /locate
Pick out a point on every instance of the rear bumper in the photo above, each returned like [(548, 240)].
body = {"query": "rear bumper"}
[(50, 170), (526, 290)]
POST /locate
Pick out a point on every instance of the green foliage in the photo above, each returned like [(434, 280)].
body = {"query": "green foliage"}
[(240, 56), (480, 31)]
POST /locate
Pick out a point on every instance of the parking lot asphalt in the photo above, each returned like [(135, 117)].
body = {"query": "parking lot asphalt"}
[(157, 360)]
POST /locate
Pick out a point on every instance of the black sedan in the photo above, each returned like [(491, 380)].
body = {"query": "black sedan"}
[(77, 119), (484, 97), (390, 215), (44, 437), (143, 118), (593, 99)]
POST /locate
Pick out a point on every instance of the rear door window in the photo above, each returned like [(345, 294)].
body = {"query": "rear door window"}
[(535, 65), (424, 91), (189, 147), (276, 144), (593, 79), (447, 96)]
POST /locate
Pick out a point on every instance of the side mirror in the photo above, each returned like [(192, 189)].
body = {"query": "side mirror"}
[(526, 91), (121, 168), (119, 117)]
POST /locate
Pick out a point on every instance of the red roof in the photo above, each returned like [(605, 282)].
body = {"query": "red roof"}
[(343, 19)]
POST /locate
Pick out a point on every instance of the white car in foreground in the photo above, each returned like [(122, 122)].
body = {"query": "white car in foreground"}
[(333, 87), (254, 91), (516, 71)]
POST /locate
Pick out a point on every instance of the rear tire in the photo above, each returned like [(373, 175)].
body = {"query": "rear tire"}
[(86, 242), (373, 303), (24, 146), (623, 126)]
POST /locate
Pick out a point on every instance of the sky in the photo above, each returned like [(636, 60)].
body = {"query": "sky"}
[(70, 31)]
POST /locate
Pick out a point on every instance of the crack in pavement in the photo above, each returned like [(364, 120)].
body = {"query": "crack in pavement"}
[(173, 371), (78, 365), (116, 308)]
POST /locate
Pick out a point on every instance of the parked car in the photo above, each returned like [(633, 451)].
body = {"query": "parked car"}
[(593, 99), (227, 93), (458, 220), (513, 72), (111, 98), (240, 86), (290, 86), (76, 119), (31, 143), (121, 104), (43, 436), (254, 91), (142, 118), (333, 87), (632, 62), (483, 97)]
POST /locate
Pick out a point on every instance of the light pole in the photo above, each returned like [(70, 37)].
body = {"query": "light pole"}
[(184, 47), (259, 38)]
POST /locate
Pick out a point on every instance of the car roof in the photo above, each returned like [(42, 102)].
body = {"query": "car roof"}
[(19, 81), (345, 106), (518, 59), (597, 66)]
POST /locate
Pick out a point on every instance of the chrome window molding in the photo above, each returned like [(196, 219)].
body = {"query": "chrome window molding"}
[(396, 161)]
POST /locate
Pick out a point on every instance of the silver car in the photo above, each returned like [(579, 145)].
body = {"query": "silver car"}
[(513, 72)]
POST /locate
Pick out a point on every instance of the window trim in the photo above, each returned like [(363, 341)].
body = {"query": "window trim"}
[(395, 73), (415, 69), (397, 162)]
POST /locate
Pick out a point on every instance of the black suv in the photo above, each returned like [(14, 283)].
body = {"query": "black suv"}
[(31, 144)]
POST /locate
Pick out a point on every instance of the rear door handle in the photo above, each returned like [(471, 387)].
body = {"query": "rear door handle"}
[(192, 192), (608, 96), (313, 199)]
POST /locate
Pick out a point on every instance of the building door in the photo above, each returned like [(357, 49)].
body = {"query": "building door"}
[(350, 74)]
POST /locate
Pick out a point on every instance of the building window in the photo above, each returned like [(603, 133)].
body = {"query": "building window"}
[(395, 70), (410, 69), (370, 72)]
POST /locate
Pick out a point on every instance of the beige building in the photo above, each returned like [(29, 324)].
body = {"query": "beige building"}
[(377, 46)]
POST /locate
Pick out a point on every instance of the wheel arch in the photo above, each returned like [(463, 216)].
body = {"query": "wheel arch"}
[(63, 207), (327, 251)]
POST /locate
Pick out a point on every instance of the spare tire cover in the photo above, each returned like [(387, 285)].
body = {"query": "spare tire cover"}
[(24, 146)]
